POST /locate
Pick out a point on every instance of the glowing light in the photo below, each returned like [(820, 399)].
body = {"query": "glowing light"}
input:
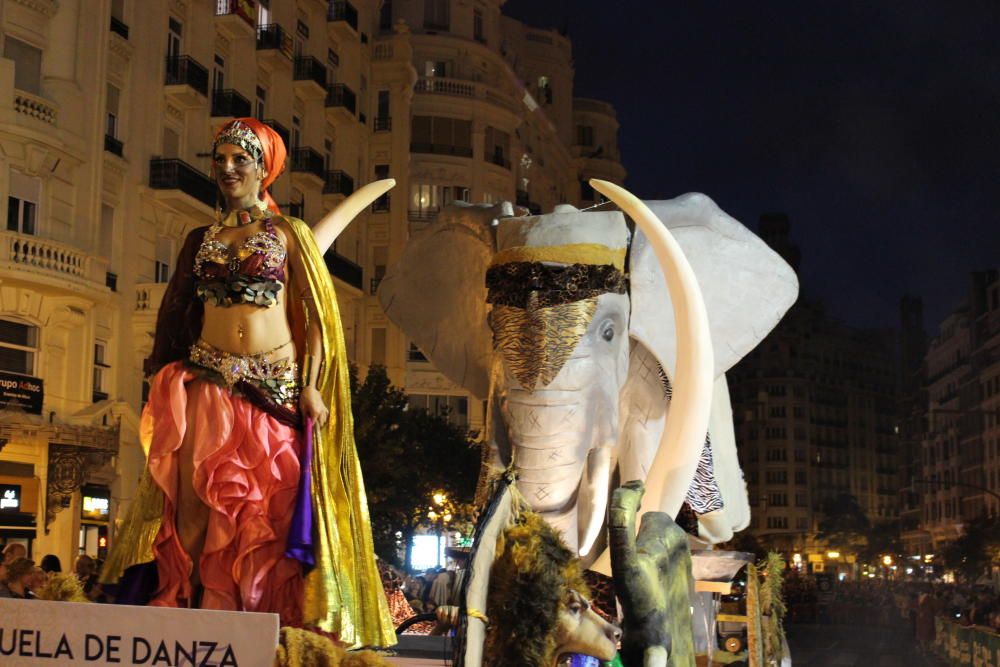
[(833, 554), (797, 559), (909, 570), (432, 515), (871, 575), (425, 554), (440, 498), (887, 560)]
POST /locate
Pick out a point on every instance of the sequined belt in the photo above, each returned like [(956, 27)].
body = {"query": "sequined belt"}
[(280, 378)]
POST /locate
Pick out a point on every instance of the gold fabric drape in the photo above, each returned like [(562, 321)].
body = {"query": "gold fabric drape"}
[(343, 593)]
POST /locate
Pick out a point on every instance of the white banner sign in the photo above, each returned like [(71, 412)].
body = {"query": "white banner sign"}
[(33, 632)]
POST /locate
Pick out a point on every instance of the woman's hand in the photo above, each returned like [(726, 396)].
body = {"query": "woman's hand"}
[(311, 403)]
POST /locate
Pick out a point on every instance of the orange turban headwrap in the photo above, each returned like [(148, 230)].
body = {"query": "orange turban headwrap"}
[(272, 153)]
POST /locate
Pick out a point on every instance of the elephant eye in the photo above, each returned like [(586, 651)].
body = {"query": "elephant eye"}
[(608, 332)]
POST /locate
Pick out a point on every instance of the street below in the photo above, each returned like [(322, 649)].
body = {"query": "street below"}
[(822, 645)]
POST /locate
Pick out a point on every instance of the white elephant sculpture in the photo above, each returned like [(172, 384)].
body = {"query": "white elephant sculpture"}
[(577, 387)]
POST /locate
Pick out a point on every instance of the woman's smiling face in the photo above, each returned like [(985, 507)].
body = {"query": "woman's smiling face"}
[(237, 175)]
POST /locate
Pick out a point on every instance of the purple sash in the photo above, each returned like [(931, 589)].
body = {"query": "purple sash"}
[(300, 534)]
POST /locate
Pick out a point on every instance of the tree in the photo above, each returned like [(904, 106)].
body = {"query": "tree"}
[(407, 455), (971, 554), (844, 523)]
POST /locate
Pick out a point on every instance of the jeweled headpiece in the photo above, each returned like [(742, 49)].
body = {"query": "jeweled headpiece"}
[(239, 134)]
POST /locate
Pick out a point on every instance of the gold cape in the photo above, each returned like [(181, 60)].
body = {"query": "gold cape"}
[(343, 592)]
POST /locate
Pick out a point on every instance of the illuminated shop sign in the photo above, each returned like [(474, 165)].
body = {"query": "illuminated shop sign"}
[(96, 503), (21, 391), (10, 498)]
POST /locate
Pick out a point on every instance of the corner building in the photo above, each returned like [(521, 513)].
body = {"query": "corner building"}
[(107, 112)]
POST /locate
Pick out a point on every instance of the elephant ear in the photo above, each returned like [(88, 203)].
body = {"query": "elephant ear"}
[(436, 293), (747, 287)]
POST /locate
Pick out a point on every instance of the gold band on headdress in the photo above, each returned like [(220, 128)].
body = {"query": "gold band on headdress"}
[(574, 253), (240, 135)]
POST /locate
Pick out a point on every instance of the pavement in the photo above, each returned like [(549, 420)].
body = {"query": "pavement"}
[(815, 645)]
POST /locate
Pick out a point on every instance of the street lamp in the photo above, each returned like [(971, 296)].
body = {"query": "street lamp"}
[(441, 518)]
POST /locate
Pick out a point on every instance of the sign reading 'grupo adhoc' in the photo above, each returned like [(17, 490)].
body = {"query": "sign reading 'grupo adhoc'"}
[(33, 633)]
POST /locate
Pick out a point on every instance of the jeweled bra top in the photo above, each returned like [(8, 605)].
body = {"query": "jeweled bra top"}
[(252, 273)]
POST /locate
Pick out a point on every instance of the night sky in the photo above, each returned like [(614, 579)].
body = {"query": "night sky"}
[(875, 126)]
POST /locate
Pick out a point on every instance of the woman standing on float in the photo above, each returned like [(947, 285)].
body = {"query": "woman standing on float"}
[(248, 427)]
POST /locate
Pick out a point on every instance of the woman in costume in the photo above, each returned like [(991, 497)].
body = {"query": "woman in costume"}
[(253, 498)]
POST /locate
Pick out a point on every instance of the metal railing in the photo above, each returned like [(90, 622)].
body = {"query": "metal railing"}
[(272, 36), (339, 95), (308, 68), (279, 128), (382, 123), (229, 103), (341, 10), (112, 145), (186, 71), (119, 28), (338, 183), (174, 174), (423, 214), (343, 268), (307, 160)]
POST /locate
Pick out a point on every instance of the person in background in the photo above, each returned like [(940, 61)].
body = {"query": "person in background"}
[(17, 584), (13, 551), (51, 564), (86, 571)]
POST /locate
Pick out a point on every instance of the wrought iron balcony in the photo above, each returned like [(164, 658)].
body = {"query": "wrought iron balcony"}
[(339, 95), (338, 183), (173, 174), (272, 36), (186, 71), (307, 160), (343, 268), (279, 128), (441, 149), (383, 123), (112, 145), (341, 10), (119, 28), (423, 214), (308, 68), (230, 104)]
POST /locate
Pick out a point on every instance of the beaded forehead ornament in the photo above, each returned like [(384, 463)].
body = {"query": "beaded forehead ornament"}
[(240, 135)]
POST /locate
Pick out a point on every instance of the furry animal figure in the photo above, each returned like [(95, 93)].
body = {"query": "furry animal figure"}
[(298, 647), (536, 603)]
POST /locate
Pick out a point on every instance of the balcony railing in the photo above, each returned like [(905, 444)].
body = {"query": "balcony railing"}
[(383, 123), (340, 10), (423, 214), (338, 183), (441, 149), (186, 71), (339, 95), (173, 174), (112, 145), (35, 107), (279, 128), (119, 28), (307, 160), (345, 269), (272, 36), (245, 9), (308, 68), (230, 104)]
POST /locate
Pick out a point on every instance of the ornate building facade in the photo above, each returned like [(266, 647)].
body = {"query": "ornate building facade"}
[(107, 111)]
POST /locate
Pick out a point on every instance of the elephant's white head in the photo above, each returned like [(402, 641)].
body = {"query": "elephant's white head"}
[(575, 318)]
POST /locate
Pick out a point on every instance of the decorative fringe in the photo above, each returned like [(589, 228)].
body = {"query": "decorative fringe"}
[(772, 608), (303, 648), (62, 587)]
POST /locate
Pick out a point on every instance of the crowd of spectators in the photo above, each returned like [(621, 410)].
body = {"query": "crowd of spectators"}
[(21, 578)]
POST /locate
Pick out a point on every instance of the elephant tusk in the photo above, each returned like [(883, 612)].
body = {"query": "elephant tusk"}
[(333, 223), (596, 483), (676, 459), (655, 656)]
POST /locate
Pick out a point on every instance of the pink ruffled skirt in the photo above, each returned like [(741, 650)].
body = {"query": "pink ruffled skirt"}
[(246, 470)]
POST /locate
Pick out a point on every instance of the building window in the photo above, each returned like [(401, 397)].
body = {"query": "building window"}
[(164, 257), (545, 89), (776, 454), (777, 476), (477, 26), (800, 478), (434, 68), (260, 109), (378, 346), (18, 347), (175, 31), (802, 523), (219, 74), (444, 136), (111, 124), (101, 371), (454, 408), (415, 354), (264, 12), (778, 499), (584, 135), (497, 147), (296, 131), (22, 203), (437, 14), (777, 522), (385, 16), (801, 500), (27, 65)]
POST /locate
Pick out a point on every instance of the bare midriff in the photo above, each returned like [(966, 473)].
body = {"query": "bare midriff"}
[(263, 329)]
